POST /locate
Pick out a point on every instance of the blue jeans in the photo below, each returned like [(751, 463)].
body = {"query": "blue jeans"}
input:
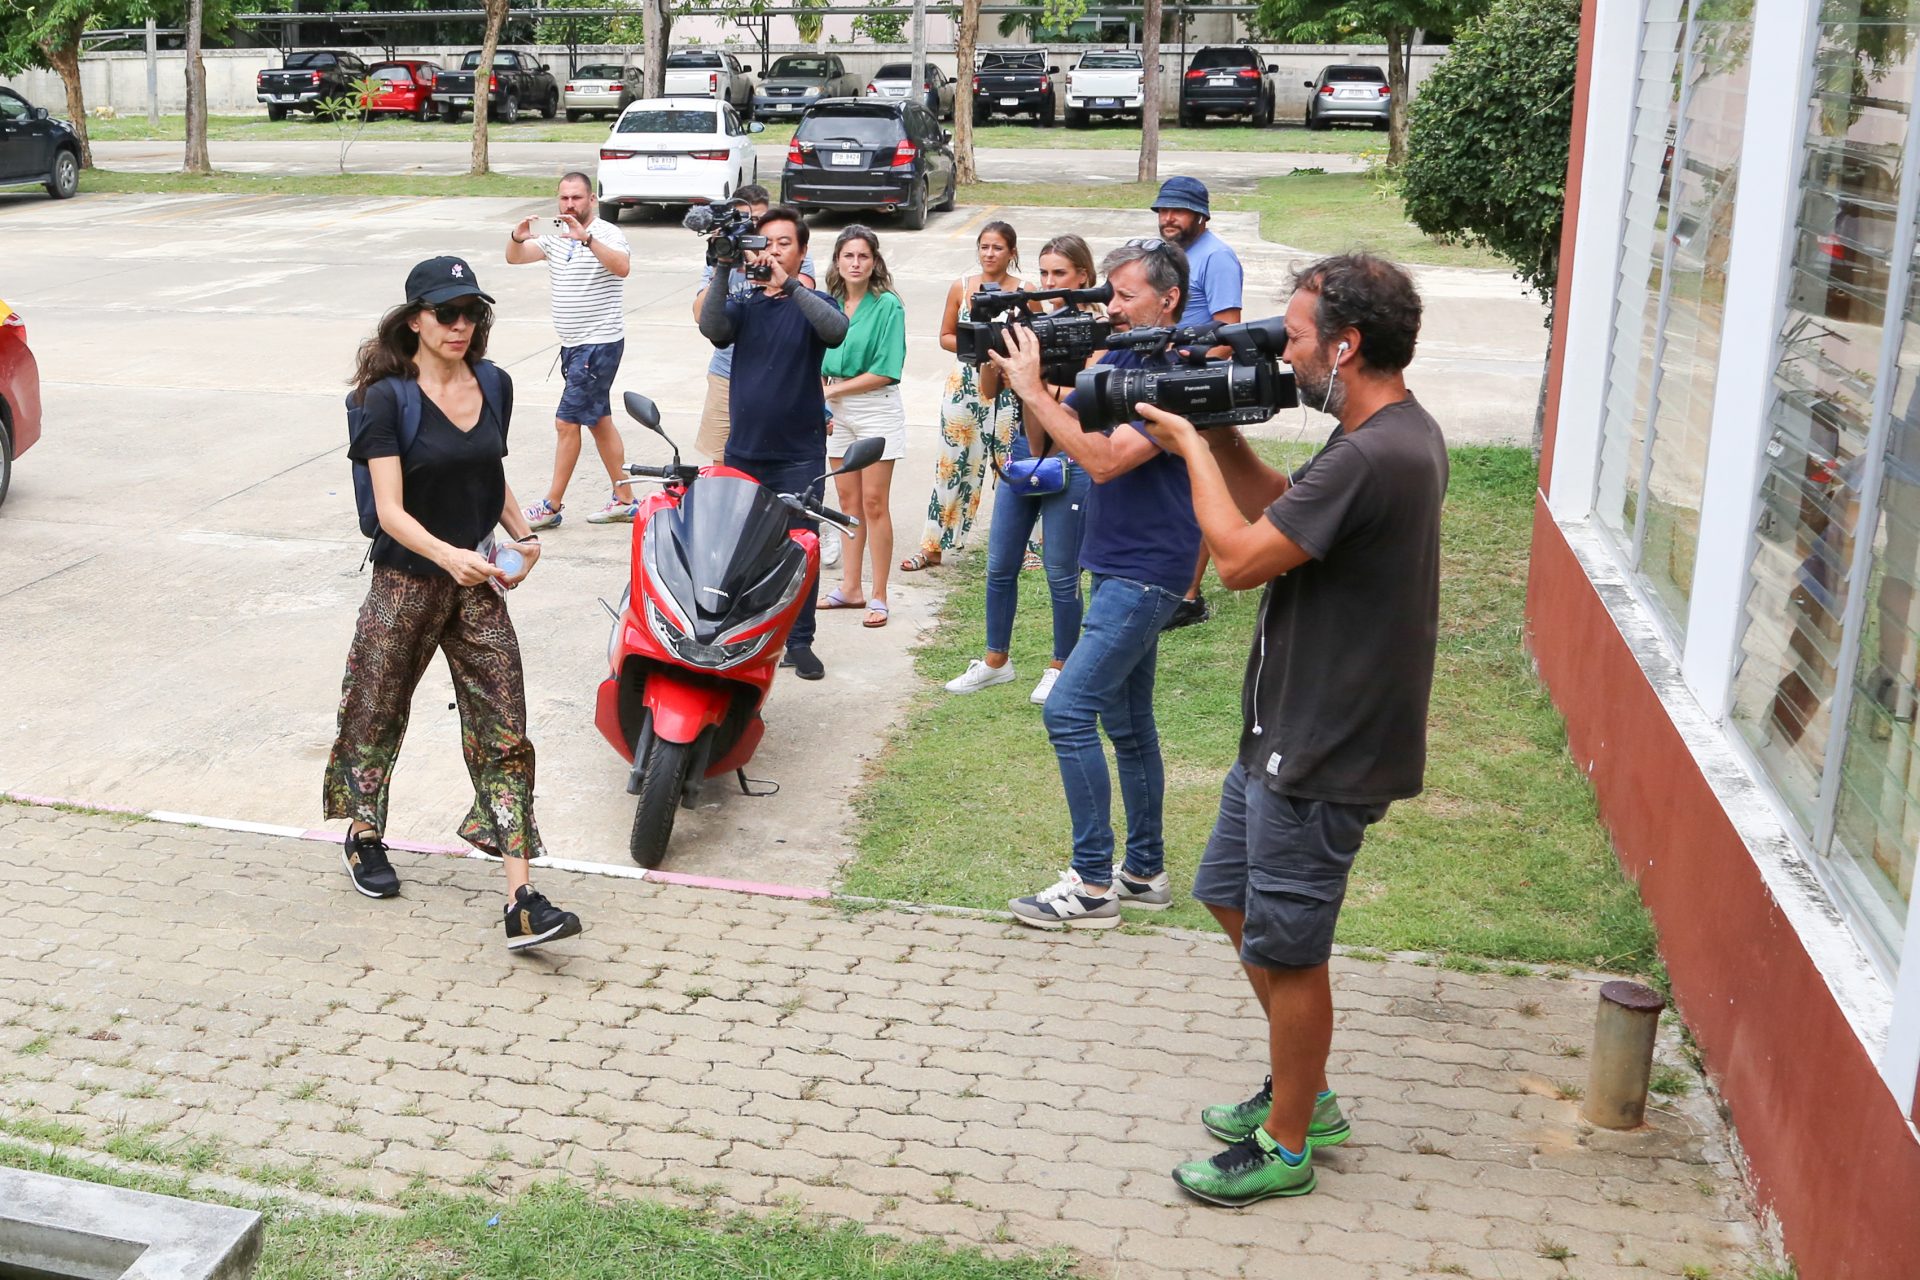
[(793, 477), (1063, 516), (1109, 677)]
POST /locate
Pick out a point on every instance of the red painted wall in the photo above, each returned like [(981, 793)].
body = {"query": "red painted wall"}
[(1830, 1152)]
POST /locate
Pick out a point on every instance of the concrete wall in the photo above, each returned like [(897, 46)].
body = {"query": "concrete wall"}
[(119, 80)]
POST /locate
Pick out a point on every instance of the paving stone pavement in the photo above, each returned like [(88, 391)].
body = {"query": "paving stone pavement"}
[(196, 994)]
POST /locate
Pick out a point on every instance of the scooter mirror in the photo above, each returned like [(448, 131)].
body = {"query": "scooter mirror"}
[(644, 411), (862, 453)]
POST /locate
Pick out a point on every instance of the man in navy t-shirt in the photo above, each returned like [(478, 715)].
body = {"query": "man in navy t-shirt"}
[(1140, 542), (780, 332), (1214, 283)]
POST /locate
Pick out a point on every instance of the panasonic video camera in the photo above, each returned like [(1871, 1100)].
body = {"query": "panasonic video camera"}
[(1067, 336), (1248, 386), (732, 225)]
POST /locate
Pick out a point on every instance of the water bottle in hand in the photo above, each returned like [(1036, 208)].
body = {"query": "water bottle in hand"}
[(510, 561)]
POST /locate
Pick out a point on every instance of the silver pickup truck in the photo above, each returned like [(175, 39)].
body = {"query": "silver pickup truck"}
[(1106, 82)]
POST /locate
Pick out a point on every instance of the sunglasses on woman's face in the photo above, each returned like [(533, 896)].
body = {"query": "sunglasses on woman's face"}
[(452, 313)]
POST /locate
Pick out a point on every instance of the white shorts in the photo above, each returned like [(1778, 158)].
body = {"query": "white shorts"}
[(870, 413)]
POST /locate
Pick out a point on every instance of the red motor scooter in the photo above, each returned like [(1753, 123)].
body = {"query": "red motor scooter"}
[(716, 581)]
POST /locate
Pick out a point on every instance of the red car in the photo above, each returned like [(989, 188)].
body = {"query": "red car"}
[(19, 394), (408, 87)]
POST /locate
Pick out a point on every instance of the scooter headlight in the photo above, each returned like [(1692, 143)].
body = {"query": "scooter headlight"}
[(687, 649)]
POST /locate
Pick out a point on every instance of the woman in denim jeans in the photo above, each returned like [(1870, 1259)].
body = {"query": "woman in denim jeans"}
[(1065, 263)]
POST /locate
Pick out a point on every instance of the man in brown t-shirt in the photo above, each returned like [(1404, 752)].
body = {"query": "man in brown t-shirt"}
[(1336, 690)]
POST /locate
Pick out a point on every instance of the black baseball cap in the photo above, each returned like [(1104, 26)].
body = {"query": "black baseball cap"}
[(442, 280)]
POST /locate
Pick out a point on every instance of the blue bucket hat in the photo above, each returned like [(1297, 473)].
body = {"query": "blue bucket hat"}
[(1183, 193)]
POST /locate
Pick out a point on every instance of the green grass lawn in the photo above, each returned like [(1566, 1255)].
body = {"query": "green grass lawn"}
[(307, 184), (1103, 136), (560, 1232), (1502, 856)]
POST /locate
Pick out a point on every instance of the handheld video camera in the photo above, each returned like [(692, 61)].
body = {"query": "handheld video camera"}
[(1067, 337), (731, 225), (1248, 386)]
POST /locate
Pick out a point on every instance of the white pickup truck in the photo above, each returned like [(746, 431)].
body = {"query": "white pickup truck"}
[(1106, 82), (709, 73)]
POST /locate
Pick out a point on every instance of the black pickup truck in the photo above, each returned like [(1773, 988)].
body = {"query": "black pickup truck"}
[(306, 79), (519, 83), (1014, 82)]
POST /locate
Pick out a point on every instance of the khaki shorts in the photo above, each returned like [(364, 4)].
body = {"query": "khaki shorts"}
[(714, 421)]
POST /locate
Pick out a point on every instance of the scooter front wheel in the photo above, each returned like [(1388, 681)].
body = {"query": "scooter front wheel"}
[(661, 781)]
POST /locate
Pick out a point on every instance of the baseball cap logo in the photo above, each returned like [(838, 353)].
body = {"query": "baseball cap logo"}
[(458, 270)]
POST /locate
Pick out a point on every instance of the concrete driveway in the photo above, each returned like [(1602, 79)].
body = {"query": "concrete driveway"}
[(179, 562)]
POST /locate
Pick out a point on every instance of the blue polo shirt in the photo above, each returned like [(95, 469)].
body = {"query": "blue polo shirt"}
[(774, 399), (1214, 280), (1141, 525)]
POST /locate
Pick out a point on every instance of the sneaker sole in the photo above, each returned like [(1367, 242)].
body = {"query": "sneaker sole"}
[(609, 519), (565, 929), (979, 687), (1140, 904), (1079, 922), (1315, 1141), (1227, 1202), (360, 888)]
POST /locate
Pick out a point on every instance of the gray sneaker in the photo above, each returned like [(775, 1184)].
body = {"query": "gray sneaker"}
[(1068, 905), (1148, 895)]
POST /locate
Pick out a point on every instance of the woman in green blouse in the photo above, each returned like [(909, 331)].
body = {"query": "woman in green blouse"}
[(862, 377)]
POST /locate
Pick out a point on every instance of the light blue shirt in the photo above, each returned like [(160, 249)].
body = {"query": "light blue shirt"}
[(1214, 279), (722, 363)]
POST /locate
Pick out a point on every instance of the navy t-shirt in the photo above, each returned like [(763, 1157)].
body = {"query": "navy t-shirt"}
[(1141, 525), (774, 399)]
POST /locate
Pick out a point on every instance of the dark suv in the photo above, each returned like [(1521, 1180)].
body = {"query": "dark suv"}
[(870, 153), (35, 147), (1228, 80)]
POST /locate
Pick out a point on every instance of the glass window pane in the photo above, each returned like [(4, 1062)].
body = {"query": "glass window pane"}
[(1829, 358), (1703, 177)]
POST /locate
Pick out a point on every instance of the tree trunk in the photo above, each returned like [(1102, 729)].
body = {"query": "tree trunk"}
[(196, 160), (1399, 63), (64, 58), (964, 169), (653, 57), (1150, 82), (482, 94)]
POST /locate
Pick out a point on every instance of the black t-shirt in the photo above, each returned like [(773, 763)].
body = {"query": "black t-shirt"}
[(775, 404), (1337, 684), (1140, 524), (453, 482)]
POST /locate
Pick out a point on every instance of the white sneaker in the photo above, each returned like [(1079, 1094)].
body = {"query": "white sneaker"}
[(829, 547), (978, 676), (1040, 691)]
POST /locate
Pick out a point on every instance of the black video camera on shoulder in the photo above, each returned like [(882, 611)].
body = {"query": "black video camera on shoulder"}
[(1067, 336), (733, 227), (1248, 386)]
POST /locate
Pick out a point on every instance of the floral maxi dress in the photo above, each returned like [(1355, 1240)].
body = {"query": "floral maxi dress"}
[(970, 429)]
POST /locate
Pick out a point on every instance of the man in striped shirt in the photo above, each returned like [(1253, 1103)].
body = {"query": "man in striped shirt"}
[(587, 270)]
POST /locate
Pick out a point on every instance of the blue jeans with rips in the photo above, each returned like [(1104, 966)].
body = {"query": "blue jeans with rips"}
[(1108, 681)]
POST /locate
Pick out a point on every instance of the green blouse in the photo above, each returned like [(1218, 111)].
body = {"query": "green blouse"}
[(876, 340)]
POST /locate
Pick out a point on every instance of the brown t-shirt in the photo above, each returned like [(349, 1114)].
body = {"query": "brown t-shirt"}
[(1337, 684)]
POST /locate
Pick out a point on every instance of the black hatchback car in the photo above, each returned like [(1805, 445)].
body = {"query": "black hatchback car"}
[(871, 153), (34, 147), (1227, 80)]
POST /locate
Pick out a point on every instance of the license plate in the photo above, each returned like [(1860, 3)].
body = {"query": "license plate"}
[(1351, 93), (286, 97), (1009, 102), (783, 106), (459, 102), (662, 162), (1106, 102), (1221, 82), (846, 159)]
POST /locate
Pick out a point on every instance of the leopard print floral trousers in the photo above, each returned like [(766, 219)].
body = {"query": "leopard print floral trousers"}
[(406, 618)]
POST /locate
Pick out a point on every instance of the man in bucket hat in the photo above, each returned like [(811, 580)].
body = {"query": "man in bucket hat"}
[(1213, 297)]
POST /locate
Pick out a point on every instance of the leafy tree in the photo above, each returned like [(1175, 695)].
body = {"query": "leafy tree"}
[(810, 23), (1490, 135), (614, 29), (880, 28), (1395, 21), (46, 33)]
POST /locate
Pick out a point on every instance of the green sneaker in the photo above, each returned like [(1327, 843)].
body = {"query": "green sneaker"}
[(1247, 1171), (1234, 1121)]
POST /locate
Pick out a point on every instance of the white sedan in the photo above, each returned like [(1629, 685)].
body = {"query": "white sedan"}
[(675, 151)]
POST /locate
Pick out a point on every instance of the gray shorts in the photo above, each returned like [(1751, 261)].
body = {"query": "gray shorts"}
[(1283, 861)]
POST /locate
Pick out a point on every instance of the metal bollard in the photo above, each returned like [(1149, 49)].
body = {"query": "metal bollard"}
[(1623, 1034)]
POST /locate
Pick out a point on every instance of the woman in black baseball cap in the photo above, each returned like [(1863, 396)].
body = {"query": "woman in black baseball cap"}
[(428, 418)]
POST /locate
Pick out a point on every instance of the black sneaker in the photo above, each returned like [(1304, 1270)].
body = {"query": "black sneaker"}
[(365, 856), (805, 665), (1187, 613), (532, 920)]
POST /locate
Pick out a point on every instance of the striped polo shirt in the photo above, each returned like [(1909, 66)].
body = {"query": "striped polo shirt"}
[(587, 298)]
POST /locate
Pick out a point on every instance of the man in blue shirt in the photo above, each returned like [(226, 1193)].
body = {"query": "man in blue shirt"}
[(1140, 542), (1215, 281), (780, 332)]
